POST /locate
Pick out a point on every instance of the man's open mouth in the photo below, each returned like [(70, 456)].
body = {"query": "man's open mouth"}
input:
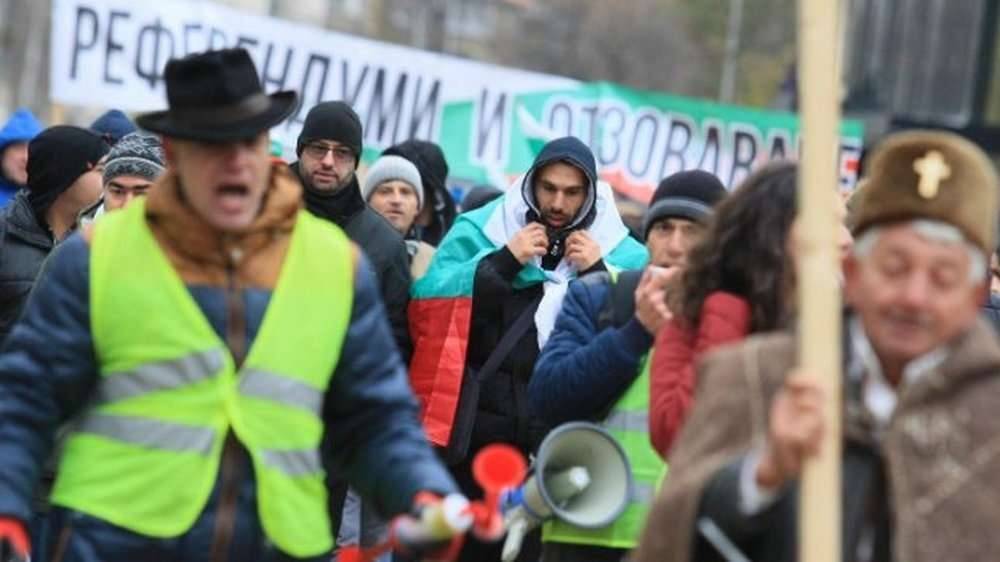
[(233, 196)]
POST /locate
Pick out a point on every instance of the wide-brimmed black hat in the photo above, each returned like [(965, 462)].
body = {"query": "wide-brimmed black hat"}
[(216, 96)]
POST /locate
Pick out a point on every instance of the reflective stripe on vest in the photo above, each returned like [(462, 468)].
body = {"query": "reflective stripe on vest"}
[(166, 436), (146, 453), (154, 434), (175, 373), (628, 422), (643, 492), (160, 375), (290, 392), (294, 463)]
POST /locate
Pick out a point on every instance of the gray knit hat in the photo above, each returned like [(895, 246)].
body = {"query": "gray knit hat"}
[(136, 154), (388, 168)]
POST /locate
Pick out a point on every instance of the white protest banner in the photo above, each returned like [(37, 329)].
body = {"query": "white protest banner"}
[(489, 120)]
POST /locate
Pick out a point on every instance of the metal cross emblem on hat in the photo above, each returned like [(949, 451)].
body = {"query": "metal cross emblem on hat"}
[(932, 169)]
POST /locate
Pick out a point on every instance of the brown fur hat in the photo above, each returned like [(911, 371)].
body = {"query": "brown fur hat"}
[(932, 175)]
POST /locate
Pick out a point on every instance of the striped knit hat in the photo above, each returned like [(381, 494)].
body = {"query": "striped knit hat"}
[(136, 154)]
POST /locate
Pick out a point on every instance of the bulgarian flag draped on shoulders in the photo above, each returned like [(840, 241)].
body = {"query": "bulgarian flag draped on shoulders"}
[(441, 307)]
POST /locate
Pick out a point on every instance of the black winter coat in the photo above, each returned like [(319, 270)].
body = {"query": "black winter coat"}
[(24, 245), (503, 414), (381, 243)]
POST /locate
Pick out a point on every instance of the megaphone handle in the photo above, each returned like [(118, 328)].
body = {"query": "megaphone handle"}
[(515, 538)]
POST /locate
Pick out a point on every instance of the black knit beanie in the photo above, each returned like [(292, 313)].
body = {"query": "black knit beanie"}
[(332, 120), (686, 195), (56, 158)]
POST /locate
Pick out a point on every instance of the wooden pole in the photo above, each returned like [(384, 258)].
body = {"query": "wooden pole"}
[(818, 287)]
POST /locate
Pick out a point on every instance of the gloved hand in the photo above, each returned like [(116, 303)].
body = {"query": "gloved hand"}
[(436, 529), (14, 543)]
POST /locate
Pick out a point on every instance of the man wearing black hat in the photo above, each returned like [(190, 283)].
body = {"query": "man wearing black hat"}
[(63, 178), (219, 351), (592, 366), (329, 149)]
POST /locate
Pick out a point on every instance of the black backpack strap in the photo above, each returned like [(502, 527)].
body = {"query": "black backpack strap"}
[(623, 295), (619, 306), (508, 341), (618, 309)]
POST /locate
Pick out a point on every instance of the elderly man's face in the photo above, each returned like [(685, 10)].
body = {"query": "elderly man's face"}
[(912, 294), (223, 182)]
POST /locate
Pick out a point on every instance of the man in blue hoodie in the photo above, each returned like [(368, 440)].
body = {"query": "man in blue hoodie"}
[(14, 138)]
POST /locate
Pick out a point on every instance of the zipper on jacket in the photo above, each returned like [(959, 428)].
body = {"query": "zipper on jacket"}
[(233, 452)]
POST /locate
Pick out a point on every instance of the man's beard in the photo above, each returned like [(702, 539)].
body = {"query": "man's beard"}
[(337, 184), (555, 221)]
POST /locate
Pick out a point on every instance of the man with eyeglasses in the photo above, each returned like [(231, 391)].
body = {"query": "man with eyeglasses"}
[(329, 148)]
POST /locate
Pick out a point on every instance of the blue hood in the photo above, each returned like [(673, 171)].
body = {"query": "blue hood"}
[(114, 124), (21, 127)]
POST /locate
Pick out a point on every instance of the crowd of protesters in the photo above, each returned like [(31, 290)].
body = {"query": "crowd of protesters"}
[(493, 320)]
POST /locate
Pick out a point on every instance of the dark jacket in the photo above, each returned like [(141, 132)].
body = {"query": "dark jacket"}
[(383, 245), (24, 244), (589, 361), (503, 413), (49, 372)]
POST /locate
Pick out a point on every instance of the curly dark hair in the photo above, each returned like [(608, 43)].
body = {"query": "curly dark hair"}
[(743, 250)]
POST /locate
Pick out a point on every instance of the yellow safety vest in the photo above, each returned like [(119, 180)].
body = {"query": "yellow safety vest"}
[(145, 455)]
